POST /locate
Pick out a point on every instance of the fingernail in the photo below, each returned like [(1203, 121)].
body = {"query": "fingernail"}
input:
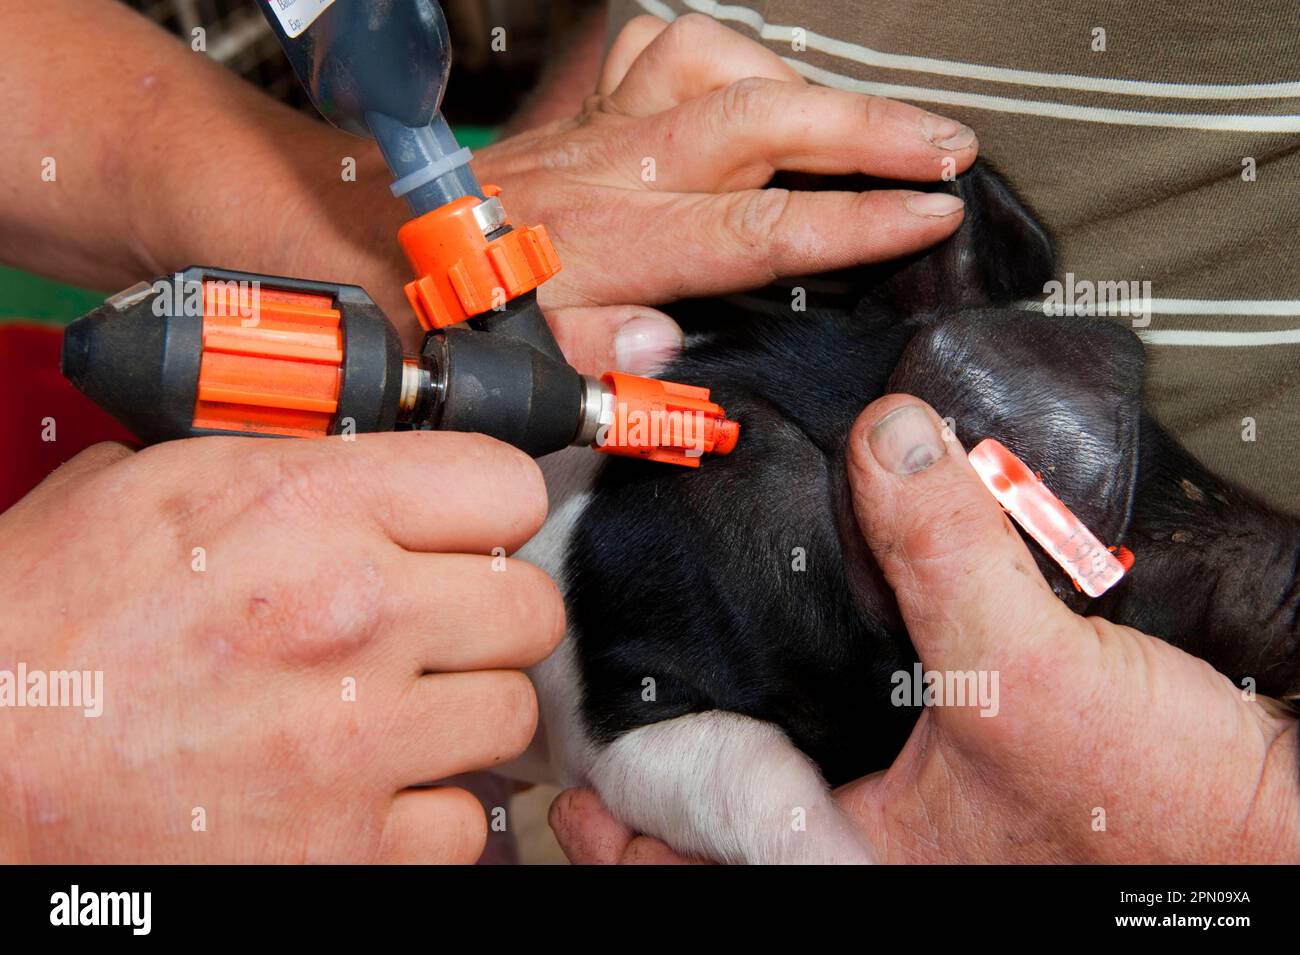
[(946, 133), (933, 204), (905, 441), (646, 343)]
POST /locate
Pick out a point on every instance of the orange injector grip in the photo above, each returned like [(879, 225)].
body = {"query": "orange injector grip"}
[(279, 371), (1091, 565), (663, 421)]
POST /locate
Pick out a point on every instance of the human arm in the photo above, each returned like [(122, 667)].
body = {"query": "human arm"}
[(163, 159)]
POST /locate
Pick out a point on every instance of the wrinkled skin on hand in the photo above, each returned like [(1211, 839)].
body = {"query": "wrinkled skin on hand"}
[(659, 189), (291, 635)]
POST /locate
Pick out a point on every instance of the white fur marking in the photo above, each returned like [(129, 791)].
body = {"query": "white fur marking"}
[(726, 787)]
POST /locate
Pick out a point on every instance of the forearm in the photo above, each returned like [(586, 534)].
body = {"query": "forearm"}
[(161, 159)]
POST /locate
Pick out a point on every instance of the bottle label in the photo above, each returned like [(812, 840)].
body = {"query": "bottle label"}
[(297, 15)]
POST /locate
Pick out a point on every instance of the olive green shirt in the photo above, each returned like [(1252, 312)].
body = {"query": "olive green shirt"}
[(1158, 141)]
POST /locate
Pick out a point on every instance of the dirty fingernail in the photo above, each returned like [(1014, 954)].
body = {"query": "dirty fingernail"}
[(933, 204), (905, 441), (946, 133), (646, 343)]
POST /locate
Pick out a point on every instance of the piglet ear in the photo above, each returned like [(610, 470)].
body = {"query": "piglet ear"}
[(1063, 394), (999, 255)]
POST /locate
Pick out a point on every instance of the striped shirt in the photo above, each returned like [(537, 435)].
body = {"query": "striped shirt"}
[(1158, 141)]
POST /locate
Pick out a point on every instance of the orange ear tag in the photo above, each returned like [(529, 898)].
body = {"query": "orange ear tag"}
[(1092, 567)]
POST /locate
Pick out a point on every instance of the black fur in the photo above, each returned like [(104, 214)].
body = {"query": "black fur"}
[(686, 577)]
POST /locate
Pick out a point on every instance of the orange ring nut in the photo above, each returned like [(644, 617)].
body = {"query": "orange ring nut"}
[(461, 273)]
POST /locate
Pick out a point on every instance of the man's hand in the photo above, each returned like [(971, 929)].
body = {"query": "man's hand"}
[(292, 634), (656, 192), (1108, 745)]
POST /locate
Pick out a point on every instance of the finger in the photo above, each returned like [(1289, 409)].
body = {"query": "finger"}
[(646, 851), (451, 723), (458, 612), (695, 55), (712, 245), (630, 43), (628, 338), (736, 137), (967, 586), (446, 491), (437, 825), (589, 835), (424, 490), (586, 831)]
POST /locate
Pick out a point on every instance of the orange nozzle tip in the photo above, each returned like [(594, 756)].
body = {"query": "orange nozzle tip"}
[(664, 421), (726, 436)]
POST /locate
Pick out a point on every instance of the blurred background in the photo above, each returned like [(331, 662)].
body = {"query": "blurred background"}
[(485, 89), (486, 86)]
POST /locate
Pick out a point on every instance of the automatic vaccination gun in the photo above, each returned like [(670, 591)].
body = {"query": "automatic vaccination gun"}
[(212, 351)]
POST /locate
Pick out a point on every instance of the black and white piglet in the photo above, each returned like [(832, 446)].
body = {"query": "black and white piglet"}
[(769, 683)]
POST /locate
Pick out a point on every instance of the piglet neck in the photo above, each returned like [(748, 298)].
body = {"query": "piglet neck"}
[(1215, 573)]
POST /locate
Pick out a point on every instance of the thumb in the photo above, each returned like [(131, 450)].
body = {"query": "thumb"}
[(585, 830), (627, 338), (589, 835), (966, 585)]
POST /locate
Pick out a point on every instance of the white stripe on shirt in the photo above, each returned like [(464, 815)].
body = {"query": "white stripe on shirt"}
[(1194, 306), (1250, 123), (857, 53)]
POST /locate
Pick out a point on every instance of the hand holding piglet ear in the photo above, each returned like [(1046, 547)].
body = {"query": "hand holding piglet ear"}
[(1100, 744), (658, 190), (1105, 744)]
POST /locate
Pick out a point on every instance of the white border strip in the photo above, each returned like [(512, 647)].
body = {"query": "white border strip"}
[(857, 53)]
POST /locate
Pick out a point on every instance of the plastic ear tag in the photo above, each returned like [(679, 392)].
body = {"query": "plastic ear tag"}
[(1092, 567)]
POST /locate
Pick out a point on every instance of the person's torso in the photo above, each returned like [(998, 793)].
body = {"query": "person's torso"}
[(1159, 142)]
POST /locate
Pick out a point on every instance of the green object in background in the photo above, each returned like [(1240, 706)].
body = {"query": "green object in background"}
[(475, 137), (27, 297), (24, 296)]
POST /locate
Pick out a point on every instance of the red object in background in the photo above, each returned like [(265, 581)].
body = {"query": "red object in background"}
[(32, 390)]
